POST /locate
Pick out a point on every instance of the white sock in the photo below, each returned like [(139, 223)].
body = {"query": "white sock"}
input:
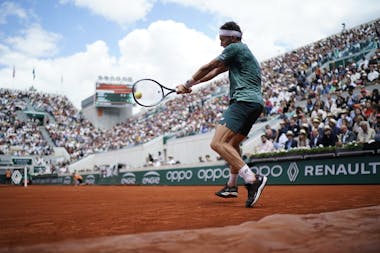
[(232, 181), (246, 173)]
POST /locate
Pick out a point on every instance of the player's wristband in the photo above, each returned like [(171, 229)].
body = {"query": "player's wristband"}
[(189, 83)]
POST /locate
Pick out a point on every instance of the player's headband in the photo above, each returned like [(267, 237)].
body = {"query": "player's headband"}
[(232, 33)]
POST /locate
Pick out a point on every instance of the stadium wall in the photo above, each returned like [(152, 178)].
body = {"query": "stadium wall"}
[(351, 169), (106, 117), (186, 150)]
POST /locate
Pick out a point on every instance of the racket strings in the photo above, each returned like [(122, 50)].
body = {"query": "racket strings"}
[(151, 92)]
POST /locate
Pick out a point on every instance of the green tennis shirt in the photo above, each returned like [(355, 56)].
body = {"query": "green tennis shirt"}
[(244, 73)]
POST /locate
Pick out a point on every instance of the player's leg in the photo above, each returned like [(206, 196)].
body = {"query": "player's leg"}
[(231, 131), (221, 143), (255, 187), (254, 184), (235, 125), (230, 190)]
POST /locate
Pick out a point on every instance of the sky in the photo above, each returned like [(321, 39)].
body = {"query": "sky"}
[(63, 46)]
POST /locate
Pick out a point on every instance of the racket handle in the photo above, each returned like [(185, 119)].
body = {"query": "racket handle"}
[(184, 90)]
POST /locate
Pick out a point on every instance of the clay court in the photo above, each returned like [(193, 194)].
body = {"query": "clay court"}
[(37, 218)]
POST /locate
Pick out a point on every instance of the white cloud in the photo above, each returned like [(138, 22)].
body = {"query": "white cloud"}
[(8, 9), (167, 51), (78, 71), (120, 11), (35, 42), (275, 26)]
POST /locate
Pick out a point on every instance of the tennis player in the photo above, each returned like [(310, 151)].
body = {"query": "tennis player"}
[(78, 179), (246, 105)]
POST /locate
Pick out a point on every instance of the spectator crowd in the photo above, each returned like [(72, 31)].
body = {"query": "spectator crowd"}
[(320, 104)]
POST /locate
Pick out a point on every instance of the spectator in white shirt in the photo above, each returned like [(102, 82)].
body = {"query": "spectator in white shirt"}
[(373, 74), (265, 145)]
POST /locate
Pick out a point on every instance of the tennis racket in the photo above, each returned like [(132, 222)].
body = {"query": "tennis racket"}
[(148, 92)]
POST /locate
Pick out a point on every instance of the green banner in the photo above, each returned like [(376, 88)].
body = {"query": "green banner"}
[(338, 170), (349, 170)]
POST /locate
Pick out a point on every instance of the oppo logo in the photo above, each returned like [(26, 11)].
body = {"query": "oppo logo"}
[(274, 171), (213, 174), (179, 175)]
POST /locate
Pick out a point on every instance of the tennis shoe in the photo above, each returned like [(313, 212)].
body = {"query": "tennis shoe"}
[(254, 190), (227, 192)]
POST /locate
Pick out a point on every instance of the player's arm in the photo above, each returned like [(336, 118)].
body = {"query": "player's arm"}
[(205, 73), (208, 71)]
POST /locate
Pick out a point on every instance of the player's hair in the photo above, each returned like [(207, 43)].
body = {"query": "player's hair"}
[(231, 25)]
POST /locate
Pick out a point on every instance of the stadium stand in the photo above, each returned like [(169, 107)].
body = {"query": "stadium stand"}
[(319, 88)]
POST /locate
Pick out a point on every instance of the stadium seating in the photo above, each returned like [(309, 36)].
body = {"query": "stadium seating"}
[(331, 67)]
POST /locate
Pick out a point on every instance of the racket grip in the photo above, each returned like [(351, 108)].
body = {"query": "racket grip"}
[(182, 91)]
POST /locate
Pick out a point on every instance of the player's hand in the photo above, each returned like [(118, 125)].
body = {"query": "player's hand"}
[(181, 89)]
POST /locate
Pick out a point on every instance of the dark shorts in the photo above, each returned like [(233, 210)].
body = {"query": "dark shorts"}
[(240, 116)]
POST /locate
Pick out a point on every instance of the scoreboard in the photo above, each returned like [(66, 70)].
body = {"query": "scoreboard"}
[(113, 95)]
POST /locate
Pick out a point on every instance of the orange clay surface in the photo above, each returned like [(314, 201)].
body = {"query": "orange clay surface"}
[(45, 214)]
